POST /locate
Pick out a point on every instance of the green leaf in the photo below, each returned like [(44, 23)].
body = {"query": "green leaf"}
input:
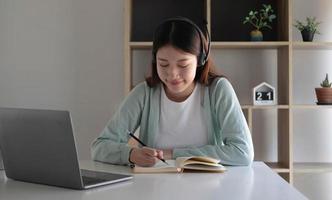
[(260, 18), (310, 24)]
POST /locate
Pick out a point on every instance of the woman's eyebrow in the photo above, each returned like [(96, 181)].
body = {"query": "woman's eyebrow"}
[(183, 59), (162, 59), (180, 60)]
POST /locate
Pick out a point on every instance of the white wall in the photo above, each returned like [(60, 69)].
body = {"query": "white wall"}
[(63, 54)]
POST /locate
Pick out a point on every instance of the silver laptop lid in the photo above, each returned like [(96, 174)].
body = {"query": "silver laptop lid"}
[(38, 146)]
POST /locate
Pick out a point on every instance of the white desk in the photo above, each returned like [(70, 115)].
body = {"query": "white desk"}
[(254, 182)]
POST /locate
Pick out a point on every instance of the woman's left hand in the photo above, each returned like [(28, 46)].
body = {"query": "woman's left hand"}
[(168, 154)]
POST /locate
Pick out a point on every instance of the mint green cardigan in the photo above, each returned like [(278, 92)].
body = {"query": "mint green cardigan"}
[(229, 137)]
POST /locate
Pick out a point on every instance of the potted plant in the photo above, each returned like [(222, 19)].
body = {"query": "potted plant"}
[(324, 93), (260, 20), (308, 28)]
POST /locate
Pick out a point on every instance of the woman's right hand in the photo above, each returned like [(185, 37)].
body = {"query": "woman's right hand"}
[(145, 156)]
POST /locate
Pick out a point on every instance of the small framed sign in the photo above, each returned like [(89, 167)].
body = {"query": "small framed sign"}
[(264, 94)]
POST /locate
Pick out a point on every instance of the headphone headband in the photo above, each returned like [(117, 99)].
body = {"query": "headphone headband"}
[(203, 56)]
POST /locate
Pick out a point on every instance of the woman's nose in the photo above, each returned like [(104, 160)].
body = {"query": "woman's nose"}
[(173, 71)]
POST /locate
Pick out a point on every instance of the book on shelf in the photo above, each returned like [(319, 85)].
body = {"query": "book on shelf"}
[(180, 164)]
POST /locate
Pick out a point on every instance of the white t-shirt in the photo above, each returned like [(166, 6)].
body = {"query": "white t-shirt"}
[(182, 124)]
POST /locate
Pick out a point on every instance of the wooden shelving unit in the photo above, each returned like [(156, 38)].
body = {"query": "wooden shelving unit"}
[(265, 107), (312, 167), (309, 106), (140, 45), (278, 167), (224, 45), (312, 45), (249, 45), (214, 11)]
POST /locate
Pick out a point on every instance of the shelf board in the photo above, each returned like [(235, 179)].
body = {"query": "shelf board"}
[(312, 167), (311, 106), (140, 45), (265, 107), (248, 45), (224, 45), (312, 45), (278, 167)]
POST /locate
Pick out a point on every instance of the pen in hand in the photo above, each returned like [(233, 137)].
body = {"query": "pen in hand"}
[(139, 141)]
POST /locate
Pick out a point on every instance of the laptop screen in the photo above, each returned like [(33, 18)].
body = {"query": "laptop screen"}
[(1, 163), (38, 146)]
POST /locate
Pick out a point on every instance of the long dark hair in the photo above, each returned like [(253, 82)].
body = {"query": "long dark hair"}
[(184, 36)]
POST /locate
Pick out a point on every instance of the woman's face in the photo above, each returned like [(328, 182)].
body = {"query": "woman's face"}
[(177, 70)]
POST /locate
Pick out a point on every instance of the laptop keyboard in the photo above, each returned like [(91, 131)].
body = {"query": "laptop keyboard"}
[(94, 177), (91, 180)]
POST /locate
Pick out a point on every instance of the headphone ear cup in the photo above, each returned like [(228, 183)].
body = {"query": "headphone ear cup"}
[(201, 60)]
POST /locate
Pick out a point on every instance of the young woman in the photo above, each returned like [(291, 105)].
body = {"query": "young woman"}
[(182, 109)]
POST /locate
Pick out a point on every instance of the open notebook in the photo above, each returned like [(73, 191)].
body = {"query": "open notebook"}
[(199, 163)]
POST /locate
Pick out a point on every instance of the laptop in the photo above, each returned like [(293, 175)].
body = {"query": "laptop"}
[(38, 146)]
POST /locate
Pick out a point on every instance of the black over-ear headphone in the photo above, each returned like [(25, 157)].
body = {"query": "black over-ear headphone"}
[(204, 54)]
